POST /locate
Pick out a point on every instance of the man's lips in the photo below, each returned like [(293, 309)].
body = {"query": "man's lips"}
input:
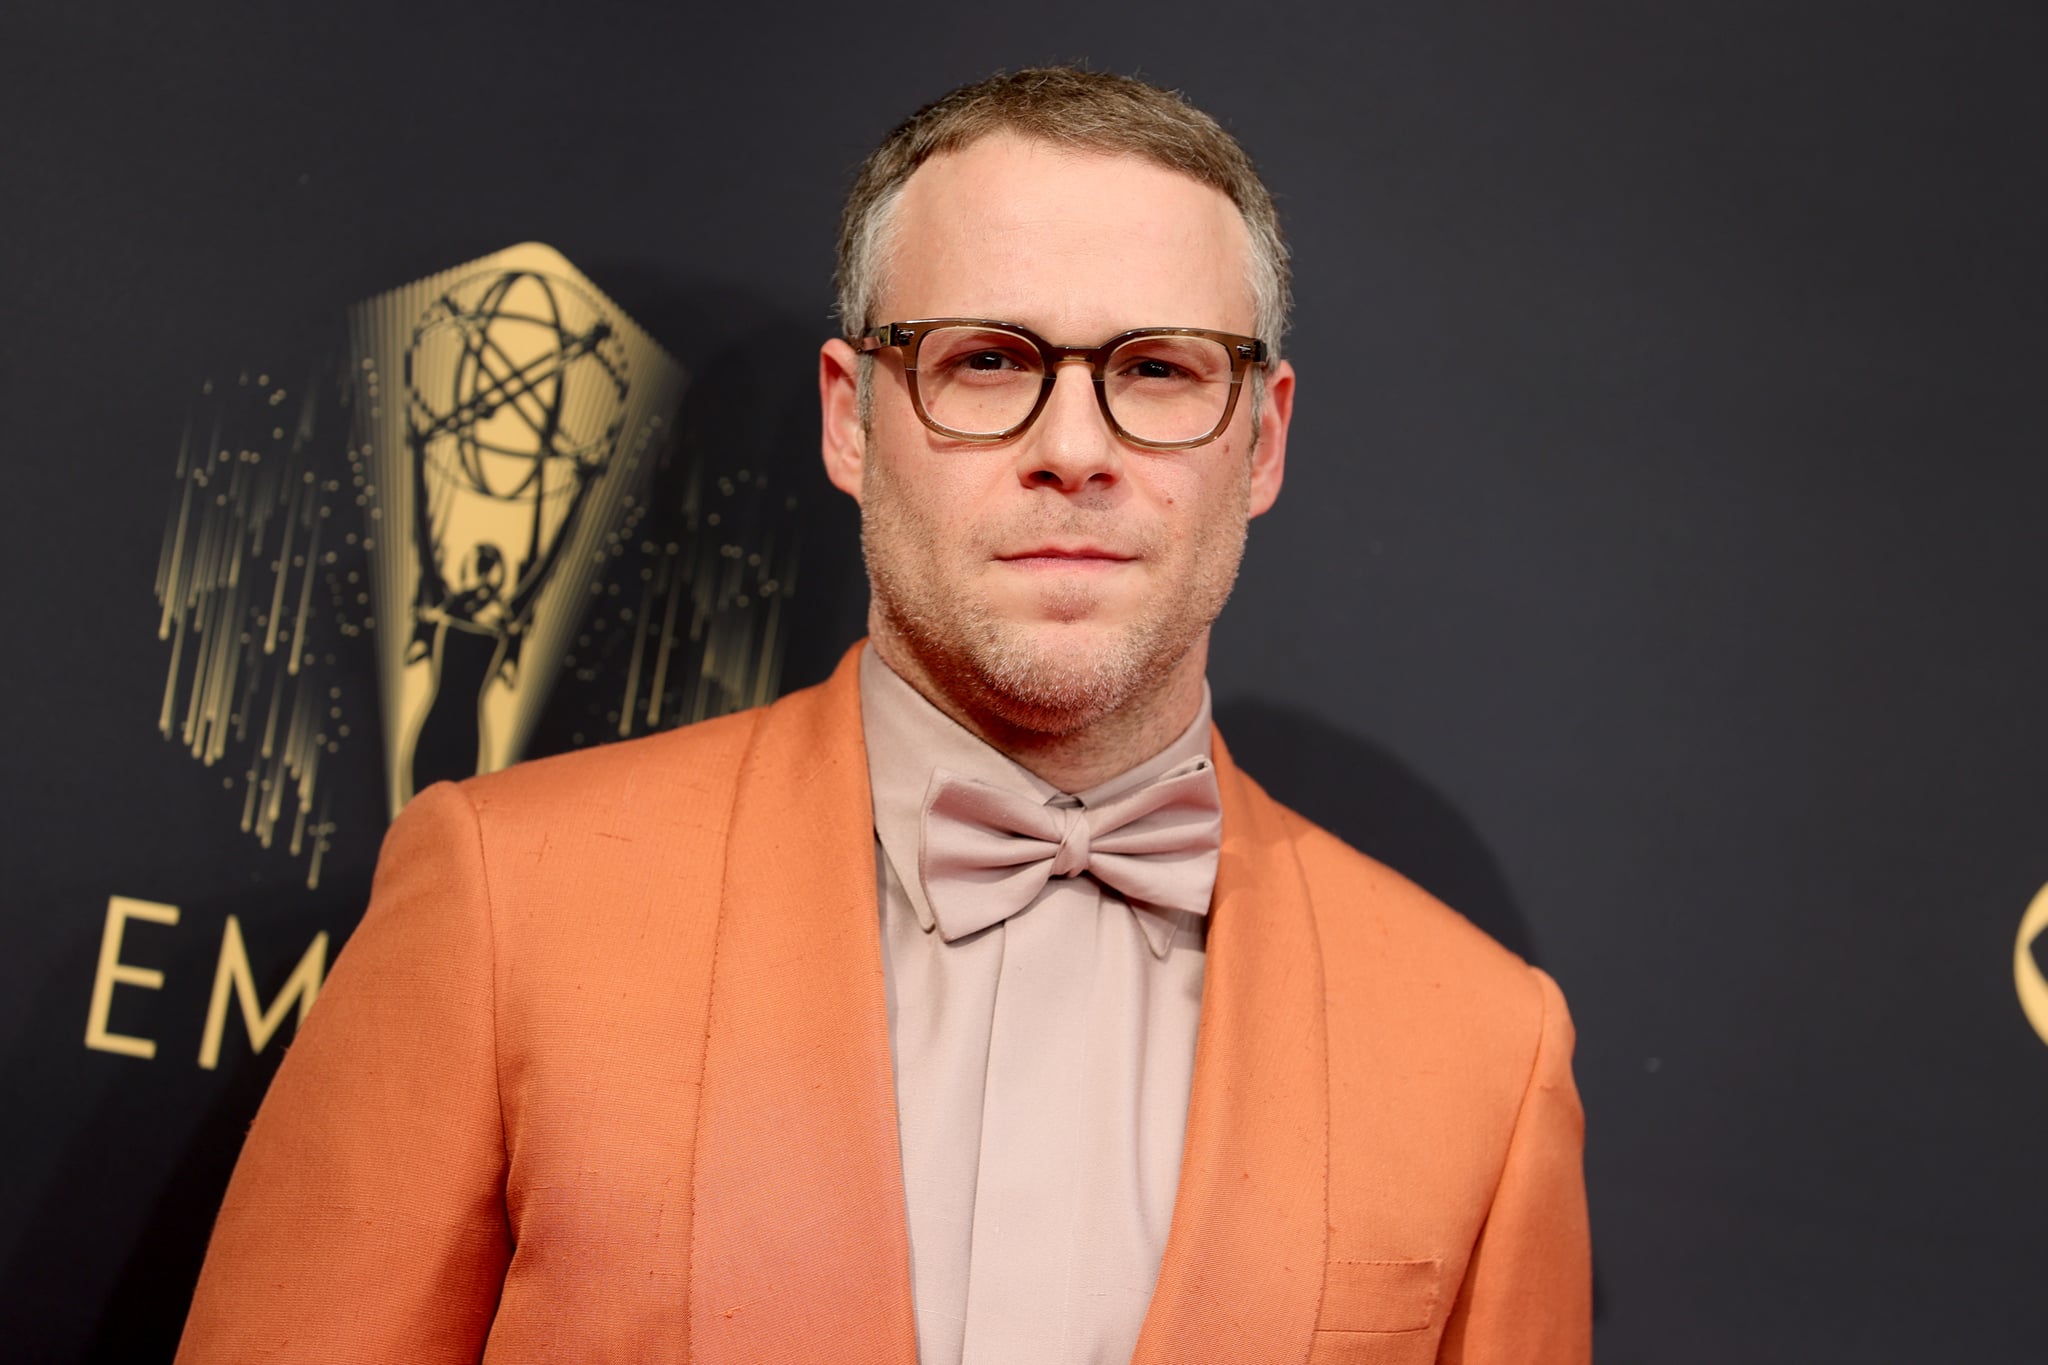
[(1065, 557)]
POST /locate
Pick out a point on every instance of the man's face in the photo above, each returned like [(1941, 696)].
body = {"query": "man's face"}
[(1045, 581)]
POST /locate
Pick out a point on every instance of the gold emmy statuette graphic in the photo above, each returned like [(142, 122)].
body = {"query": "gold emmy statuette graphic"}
[(2026, 973), (469, 500), (517, 438)]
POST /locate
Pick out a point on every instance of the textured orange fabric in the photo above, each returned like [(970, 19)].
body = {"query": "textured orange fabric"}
[(604, 1075)]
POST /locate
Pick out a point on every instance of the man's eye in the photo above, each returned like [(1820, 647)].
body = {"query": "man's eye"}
[(987, 360), (1152, 367)]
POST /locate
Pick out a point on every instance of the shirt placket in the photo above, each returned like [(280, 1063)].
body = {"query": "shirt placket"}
[(1033, 1135)]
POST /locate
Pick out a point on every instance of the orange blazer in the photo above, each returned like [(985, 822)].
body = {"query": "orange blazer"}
[(604, 1075)]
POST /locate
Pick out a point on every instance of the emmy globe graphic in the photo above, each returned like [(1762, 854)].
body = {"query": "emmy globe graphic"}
[(490, 495)]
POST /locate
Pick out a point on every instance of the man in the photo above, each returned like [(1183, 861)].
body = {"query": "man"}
[(972, 1006)]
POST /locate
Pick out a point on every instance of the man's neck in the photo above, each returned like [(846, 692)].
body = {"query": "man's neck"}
[(1071, 759)]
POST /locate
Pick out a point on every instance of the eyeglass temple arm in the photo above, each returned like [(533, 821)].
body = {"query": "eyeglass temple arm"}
[(876, 338)]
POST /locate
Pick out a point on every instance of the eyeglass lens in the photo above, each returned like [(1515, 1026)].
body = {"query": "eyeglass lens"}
[(982, 380)]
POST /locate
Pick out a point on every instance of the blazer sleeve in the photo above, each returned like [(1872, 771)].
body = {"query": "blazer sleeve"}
[(1528, 1292), (366, 1218)]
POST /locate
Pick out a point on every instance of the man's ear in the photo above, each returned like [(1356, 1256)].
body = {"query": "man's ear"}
[(844, 442), (1269, 458)]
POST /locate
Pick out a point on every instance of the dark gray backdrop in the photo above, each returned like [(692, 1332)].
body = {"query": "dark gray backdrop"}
[(1658, 575)]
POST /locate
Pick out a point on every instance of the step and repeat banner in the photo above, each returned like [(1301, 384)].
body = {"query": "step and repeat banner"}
[(398, 392)]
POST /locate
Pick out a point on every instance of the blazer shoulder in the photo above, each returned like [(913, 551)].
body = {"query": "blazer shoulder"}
[(689, 771), (1377, 924), (611, 779)]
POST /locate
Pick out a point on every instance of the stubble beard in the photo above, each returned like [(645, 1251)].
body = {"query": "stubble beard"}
[(1056, 676)]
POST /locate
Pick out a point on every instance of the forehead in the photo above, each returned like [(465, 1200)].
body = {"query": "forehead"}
[(1076, 245)]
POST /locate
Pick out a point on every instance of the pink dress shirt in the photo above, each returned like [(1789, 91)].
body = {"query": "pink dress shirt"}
[(1042, 1069)]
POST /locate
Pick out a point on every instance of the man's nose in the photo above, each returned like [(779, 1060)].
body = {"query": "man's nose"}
[(1071, 446)]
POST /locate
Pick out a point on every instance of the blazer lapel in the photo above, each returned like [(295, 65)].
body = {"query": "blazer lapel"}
[(800, 1249), (1242, 1275)]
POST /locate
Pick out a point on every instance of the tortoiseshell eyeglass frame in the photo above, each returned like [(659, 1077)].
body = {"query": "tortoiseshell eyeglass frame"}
[(906, 337)]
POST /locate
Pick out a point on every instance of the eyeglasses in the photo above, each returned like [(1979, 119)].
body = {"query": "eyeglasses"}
[(1164, 388)]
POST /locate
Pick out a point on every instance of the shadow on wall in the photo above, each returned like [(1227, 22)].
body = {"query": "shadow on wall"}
[(759, 397), (751, 402), (1377, 804), (753, 398)]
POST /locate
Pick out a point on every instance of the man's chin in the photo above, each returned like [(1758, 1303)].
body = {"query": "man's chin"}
[(1058, 677)]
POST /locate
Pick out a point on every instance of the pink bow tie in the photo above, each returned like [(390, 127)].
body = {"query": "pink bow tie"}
[(987, 853)]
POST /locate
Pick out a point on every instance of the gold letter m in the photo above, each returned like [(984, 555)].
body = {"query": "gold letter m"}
[(301, 986)]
